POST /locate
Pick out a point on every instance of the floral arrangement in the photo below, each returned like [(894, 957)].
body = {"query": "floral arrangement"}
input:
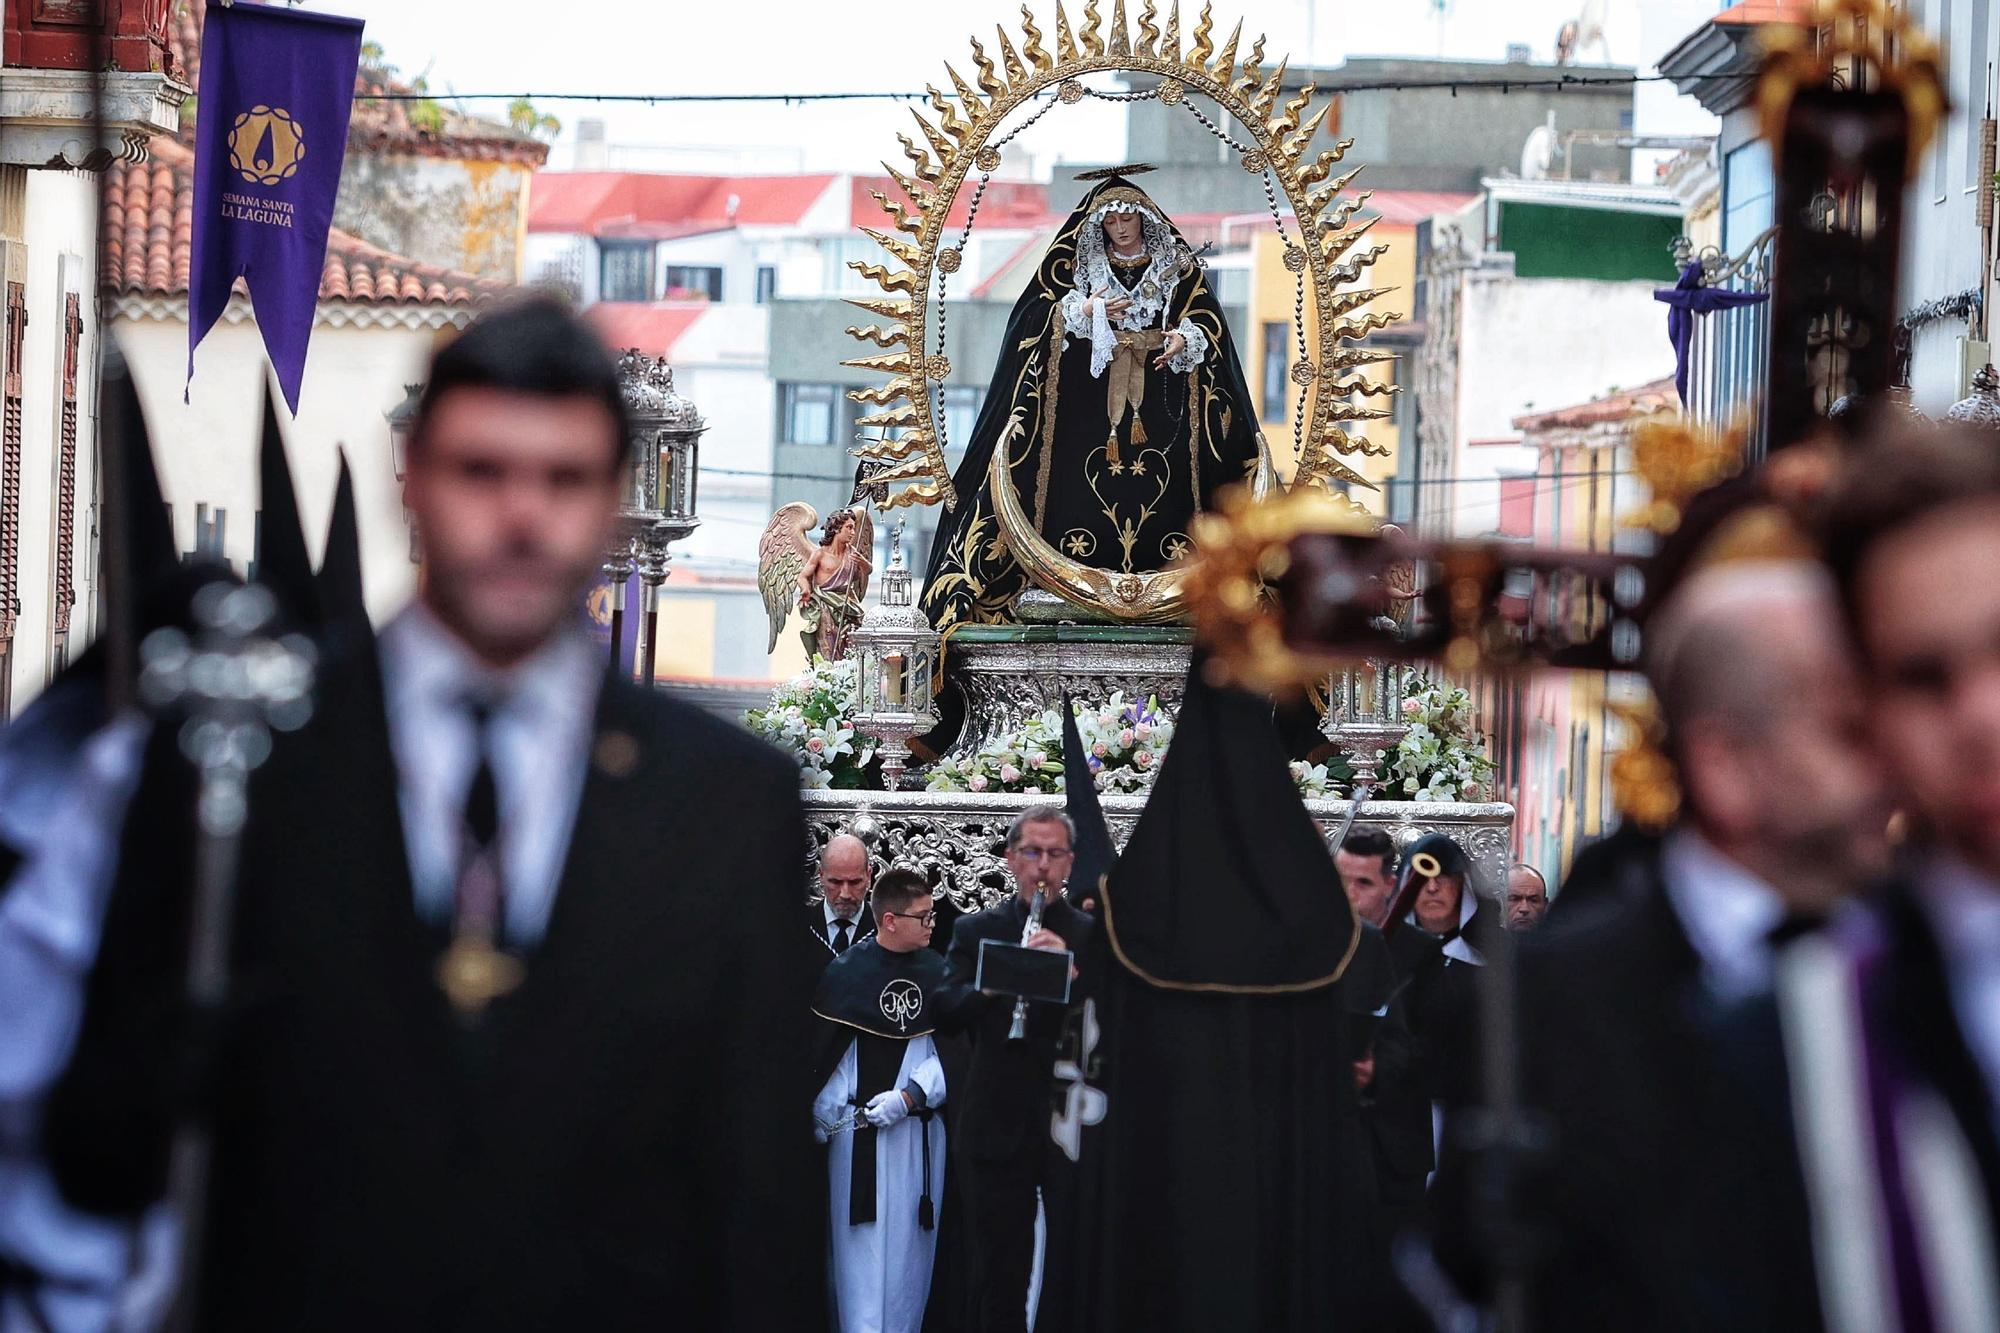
[(1440, 758), (812, 716), (1124, 742)]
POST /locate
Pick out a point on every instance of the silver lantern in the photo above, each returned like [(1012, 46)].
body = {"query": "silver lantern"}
[(896, 652), (1364, 714), (660, 494)]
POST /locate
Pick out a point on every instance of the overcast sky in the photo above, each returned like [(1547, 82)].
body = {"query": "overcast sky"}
[(739, 46)]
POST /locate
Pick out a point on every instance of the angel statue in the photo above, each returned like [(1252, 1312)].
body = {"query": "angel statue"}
[(1118, 407), (827, 582)]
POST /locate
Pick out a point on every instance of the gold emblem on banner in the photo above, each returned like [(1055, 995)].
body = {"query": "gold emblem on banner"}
[(266, 145)]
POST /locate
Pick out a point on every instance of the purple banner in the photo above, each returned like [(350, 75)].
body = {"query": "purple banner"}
[(270, 136), (597, 607)]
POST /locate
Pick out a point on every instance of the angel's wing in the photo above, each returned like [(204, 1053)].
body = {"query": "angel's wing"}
[(781, 553), (862, 553)]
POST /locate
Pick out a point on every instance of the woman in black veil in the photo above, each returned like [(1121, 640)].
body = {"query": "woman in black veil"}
[(1120, 403)]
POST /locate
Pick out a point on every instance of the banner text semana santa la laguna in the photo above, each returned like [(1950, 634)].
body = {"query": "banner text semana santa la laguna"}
[(277, 86)]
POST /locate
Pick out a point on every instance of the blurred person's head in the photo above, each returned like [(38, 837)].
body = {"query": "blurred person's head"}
[(513, 474), (1913, 537), (1367, 864), (844, 874), (1764, 719), (1527, 897)]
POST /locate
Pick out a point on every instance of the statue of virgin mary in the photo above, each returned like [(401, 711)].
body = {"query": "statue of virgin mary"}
[(1118, 401)]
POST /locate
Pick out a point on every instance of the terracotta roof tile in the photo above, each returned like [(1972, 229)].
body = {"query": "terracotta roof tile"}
[(1618, 405), (149, 229), (382, 126)]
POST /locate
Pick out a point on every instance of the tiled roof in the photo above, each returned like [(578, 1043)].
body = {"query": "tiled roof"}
[(615, 203), (1406, 208), (651, 326), (1752, 12), (148, 227), (1003, 204), (376, 125), (1619, 405)]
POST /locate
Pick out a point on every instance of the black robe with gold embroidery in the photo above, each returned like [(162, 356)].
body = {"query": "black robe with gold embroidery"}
[(1122, 506)]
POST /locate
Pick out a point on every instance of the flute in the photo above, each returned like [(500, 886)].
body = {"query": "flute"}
[(1018, 1030)]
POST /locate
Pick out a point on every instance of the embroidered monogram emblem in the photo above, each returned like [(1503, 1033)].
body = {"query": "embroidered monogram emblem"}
[(901, 1002)]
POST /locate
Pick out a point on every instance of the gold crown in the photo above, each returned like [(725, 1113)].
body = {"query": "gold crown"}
[(1678, 460)]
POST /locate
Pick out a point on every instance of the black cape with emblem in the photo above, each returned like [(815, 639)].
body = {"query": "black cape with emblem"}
[(865, 994), (1195, 434), (1205, 1111)]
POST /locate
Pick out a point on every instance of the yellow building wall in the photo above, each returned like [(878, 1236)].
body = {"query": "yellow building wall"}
[(1273, 297)]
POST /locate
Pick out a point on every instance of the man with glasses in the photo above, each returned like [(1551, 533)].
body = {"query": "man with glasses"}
[(882, 1082), (1003, 1129)]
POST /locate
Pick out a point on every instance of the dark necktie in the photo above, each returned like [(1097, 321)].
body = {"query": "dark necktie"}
[(474, 972), (843, 925), (479, 899)]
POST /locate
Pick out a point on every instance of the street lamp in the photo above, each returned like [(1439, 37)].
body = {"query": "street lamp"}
[(660, 493), (402, 419), (895, 650), (1982, 406)]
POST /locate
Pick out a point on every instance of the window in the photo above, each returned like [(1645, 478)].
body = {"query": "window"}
[(1747, 187), (961, 414), (1276, 333), (767, 283), (693, 283), (806, 413), (625, 271)]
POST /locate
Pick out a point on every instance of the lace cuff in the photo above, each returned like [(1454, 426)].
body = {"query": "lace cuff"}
[(1194, 353)]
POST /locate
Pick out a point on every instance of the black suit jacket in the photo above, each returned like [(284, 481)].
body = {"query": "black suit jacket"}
[(819, 950), (1646, 1197), (623, 1142), (1006, 1104)]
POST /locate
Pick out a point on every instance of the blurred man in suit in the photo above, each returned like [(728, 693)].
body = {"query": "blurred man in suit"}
[(513, 1042)]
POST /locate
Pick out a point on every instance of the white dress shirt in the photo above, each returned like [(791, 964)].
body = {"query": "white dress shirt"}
[(1964, 911), (1727, 912), (538, 737), (831, 931)]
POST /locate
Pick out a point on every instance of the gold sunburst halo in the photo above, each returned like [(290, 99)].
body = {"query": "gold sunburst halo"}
[(955, 139)]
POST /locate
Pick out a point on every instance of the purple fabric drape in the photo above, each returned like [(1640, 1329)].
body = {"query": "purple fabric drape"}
[(277, 86), (1686, 299)]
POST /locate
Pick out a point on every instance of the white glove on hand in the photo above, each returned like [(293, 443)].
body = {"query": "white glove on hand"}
[(886, 1108), (819, 1131)]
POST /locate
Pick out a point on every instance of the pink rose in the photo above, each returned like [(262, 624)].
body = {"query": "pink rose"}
[(1125, 738), (1100, 749), (978, 782), (1410, 707), (816, 745), (1474, 792), (1144, 759), (1009, 773)]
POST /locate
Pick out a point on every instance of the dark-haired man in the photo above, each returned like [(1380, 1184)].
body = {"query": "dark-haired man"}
[(1367, 864), (877, 1110), (499, 1054)]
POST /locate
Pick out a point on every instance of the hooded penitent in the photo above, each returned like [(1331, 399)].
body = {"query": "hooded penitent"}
[(1110, 456), (1209, 1170)]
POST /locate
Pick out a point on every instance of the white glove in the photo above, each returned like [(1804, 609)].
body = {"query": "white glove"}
[(886, 1108), (819, 1131)]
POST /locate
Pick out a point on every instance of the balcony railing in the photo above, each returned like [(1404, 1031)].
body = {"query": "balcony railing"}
[(1730, 357)]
